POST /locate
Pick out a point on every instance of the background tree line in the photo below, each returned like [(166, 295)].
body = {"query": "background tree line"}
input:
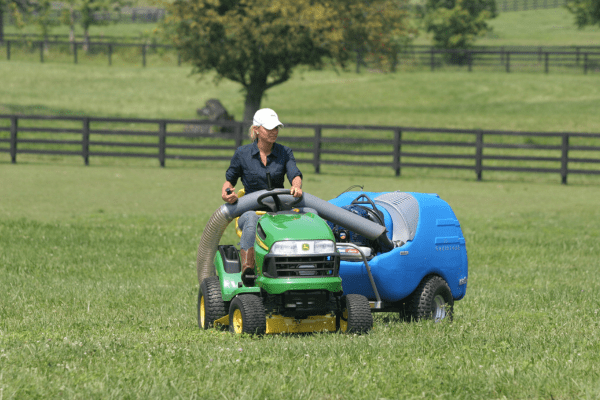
[(41, 13)]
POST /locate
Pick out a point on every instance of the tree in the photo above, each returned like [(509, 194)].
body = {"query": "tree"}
[(258, 43), (87, 9), (43, 19), (587, 12), (457, 23), (15, 8)]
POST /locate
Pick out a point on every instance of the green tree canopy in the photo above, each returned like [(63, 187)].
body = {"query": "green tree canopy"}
[(587, 12), (15, 8), (456, 24), (258, 43)]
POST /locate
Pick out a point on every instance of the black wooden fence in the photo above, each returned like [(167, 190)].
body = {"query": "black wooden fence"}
[(509, 58), (141, 15), (524, 5), (394, 147)]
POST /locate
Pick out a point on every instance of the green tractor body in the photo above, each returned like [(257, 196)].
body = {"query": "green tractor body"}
[(296, 285)]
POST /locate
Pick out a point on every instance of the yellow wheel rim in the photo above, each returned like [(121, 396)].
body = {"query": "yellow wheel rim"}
[(202, 312), (344, 321), (238, 323)]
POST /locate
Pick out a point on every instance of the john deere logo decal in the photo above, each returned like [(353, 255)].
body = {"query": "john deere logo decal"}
[(305, 247)]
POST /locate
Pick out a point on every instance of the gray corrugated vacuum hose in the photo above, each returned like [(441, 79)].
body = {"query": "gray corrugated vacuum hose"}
[(217, 224)]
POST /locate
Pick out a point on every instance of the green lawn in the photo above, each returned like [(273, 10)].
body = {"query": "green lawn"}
[(99, 295), (549, 27), (515, 101)]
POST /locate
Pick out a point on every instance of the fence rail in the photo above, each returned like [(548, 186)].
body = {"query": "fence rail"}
[(126, 15), (524, 5), (395, 147), (510, 58)]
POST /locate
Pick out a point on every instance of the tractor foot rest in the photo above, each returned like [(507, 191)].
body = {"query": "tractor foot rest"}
[(247, 280)]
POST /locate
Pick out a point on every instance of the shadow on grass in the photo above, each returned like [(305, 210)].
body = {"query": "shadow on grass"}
[(38, 110)]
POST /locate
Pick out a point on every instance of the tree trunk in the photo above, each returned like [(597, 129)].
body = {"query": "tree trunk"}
[(72, 28), (1, 24), (86, 39), (254, 94)]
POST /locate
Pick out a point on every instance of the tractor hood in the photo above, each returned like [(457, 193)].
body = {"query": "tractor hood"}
[(293, 227)]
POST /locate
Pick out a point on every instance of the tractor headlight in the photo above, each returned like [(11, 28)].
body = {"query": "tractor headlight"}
[(302, 247)]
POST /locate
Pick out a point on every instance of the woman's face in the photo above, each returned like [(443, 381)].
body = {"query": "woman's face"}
[(267, 135)]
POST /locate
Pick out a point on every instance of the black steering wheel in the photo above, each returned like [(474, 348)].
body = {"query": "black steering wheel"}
[(275, 195)]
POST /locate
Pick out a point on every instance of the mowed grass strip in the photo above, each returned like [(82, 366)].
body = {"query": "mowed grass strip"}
[(99, 296), (486, 100)]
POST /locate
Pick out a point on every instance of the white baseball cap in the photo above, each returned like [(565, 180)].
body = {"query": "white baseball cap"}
[(267, 118)]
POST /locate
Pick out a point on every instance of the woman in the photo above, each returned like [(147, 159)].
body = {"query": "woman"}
[(251, 163)]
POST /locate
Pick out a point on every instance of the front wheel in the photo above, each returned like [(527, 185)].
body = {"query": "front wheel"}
[(210, 302), (356, 314), (432, 299), (247, 315)]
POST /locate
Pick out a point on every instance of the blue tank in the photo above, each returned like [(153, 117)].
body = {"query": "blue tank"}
[(428, 239)]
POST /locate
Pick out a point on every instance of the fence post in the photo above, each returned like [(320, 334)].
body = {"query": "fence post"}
[(470, 61), (8, 50), (585, 60), (397, 150), (577, 55), (162, 142), (110, 54), (75, 52), (432, 60), (41, 51), (317, 150), (85, 141), (546, 63), (479, 155), (564, 159), (13, 139), (239, 135), (508, 61)]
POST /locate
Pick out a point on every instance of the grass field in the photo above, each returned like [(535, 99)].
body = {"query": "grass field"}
[(516, 101), (550, 27), (97, 264), (99, 294)]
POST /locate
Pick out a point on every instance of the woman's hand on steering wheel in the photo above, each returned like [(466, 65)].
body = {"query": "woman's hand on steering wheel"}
[(296, 191)]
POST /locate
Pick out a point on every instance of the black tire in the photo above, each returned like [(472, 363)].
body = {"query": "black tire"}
[(432, 299), (356, 314), (211, 306), (247, 315)]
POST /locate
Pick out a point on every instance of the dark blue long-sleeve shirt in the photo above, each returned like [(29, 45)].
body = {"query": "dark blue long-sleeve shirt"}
[(246, 164)]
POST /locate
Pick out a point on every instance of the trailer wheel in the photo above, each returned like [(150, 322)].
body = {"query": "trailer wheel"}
[(210, 302), (432, 299), (356, 314), (247, 315)]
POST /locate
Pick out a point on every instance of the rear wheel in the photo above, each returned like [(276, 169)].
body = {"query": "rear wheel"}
[(356, 314), (432, 299), (210, 302), (247, 315)]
